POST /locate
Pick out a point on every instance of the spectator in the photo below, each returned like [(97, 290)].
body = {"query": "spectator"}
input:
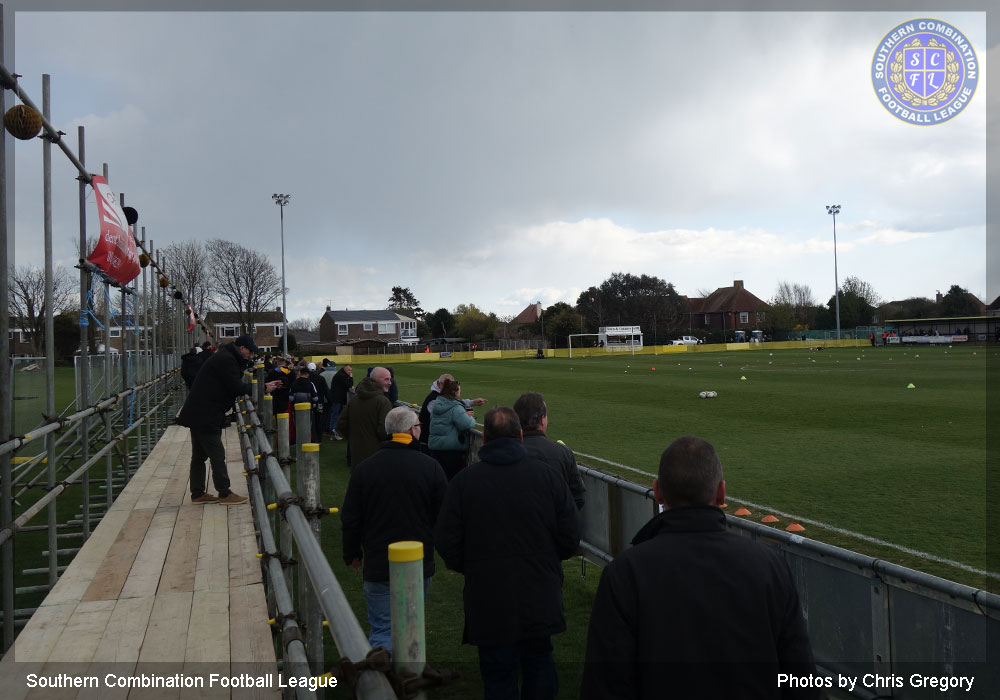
[(304, 390), (191, 362), (393, 496), (218, 384), (450, 425), (341, 386), (363, 420), (283, 375), (534, 416), (509, 547), (693, 604), (425, 414), (393, 393)]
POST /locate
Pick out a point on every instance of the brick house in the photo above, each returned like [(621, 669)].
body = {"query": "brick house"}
[(728, 309), (267, 327), (352, 326)]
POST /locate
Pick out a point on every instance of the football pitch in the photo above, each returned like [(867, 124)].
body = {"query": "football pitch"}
[(833, 439)]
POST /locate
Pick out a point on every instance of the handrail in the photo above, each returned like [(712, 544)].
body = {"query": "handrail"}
[(20, 441), (350, 639), (12, 529)]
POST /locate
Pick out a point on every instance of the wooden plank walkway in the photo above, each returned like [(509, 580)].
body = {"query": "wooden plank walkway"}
[(165, 592)]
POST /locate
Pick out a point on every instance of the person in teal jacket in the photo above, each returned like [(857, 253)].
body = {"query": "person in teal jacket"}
[(450, 425)]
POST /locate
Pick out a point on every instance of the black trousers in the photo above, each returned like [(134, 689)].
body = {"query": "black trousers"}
[(208, 445)]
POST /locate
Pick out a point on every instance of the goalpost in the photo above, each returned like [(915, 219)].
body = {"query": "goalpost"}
[(580, 335)]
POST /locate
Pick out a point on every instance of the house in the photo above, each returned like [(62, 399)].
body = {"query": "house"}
[(266, 327), (352, 326), (728, 309)]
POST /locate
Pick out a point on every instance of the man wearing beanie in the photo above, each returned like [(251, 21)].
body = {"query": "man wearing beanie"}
[(218, 384)]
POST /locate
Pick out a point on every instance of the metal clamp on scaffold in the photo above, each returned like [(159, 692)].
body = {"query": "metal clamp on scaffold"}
[(320, 511), (348, 672), (285, 561), (254, 470), (284, 500)]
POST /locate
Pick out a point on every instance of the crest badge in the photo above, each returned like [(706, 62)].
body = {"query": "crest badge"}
[(925, 71)]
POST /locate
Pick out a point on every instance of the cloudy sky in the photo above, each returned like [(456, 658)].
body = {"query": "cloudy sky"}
[(503, 158)]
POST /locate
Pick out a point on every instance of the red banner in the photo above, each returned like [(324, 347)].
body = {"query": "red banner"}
[(115, 252)]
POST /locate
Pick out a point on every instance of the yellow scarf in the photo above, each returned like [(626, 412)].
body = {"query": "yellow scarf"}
[(402, 438)]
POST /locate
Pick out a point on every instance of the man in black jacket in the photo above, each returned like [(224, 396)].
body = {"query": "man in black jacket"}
[(693, 608), (393, 496), (341, 385), (218, 384), (506, 524), (534, 416), (191, 362)]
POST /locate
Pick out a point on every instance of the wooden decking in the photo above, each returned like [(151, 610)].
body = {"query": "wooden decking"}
[(162, 587)]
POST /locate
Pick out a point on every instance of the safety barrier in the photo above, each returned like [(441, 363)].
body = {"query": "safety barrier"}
[(865, 615)]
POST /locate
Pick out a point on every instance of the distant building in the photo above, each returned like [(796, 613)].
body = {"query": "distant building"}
[(266, 327), (380, 326), (728, 309)]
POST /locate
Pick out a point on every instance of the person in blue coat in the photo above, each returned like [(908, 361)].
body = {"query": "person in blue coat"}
[(450, 425)]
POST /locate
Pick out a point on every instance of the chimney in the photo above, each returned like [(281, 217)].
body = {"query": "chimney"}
[(278, 309), (937, 298), (328, 309), (738, 284)]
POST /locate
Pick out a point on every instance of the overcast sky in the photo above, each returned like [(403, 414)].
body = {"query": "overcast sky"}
[(504, 158)]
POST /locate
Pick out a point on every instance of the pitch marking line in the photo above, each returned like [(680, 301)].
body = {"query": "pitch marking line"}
[(825, 526)]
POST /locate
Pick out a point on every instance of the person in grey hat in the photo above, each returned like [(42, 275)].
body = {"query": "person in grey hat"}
[(217, 385)]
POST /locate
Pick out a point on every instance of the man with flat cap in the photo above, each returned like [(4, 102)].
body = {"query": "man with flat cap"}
[(218, 384)]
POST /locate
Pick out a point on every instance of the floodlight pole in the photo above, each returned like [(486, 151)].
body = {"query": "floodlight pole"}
[(282, 200), (833, 210)]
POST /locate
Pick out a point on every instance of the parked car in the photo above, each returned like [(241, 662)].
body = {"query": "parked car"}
[(685, 340)]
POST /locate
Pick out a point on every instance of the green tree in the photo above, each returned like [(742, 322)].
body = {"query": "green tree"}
[(633, 300), (858, 301), (403, 301), (914, 307), (561, 320), (959, 302), (473, 323), (440, 323)]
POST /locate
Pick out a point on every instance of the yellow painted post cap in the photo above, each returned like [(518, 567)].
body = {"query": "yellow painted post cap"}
[(406, 551), (304, 406), (282, 416), (253, 381), (310, 447), (268, 397)]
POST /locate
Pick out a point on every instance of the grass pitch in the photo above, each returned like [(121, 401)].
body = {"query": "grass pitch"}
[(834, 436)]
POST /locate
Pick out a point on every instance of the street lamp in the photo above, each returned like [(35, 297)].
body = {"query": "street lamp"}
[(833, 210), (281, 200)]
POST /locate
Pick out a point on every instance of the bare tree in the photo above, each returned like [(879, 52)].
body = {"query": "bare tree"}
[(304, 324), (794, 304), (243, 280), (189, 272), (27, 300)]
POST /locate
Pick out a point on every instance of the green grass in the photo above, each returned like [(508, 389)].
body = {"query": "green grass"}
[(820, 434)]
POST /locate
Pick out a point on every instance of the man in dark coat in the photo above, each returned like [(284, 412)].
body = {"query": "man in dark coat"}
[(341, 385), (363, 420), (284, 377), (218, 384), (534, 416), (506, 524), (393, 496), (693, 608), (191, 362)]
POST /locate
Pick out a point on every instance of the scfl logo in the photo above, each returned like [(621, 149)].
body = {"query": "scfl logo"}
[(925, 71)]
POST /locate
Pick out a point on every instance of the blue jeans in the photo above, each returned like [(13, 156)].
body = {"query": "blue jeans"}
[(500, 665), (335, 409), (380, 612)]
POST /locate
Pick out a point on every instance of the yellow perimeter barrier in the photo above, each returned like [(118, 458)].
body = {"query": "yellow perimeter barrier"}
[(405, 358)]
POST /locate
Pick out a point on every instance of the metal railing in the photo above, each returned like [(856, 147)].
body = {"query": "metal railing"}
[(864, 615)]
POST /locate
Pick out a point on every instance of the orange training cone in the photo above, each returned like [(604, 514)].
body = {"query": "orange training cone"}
[(794, 527), (742, 511), (769, 519)]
